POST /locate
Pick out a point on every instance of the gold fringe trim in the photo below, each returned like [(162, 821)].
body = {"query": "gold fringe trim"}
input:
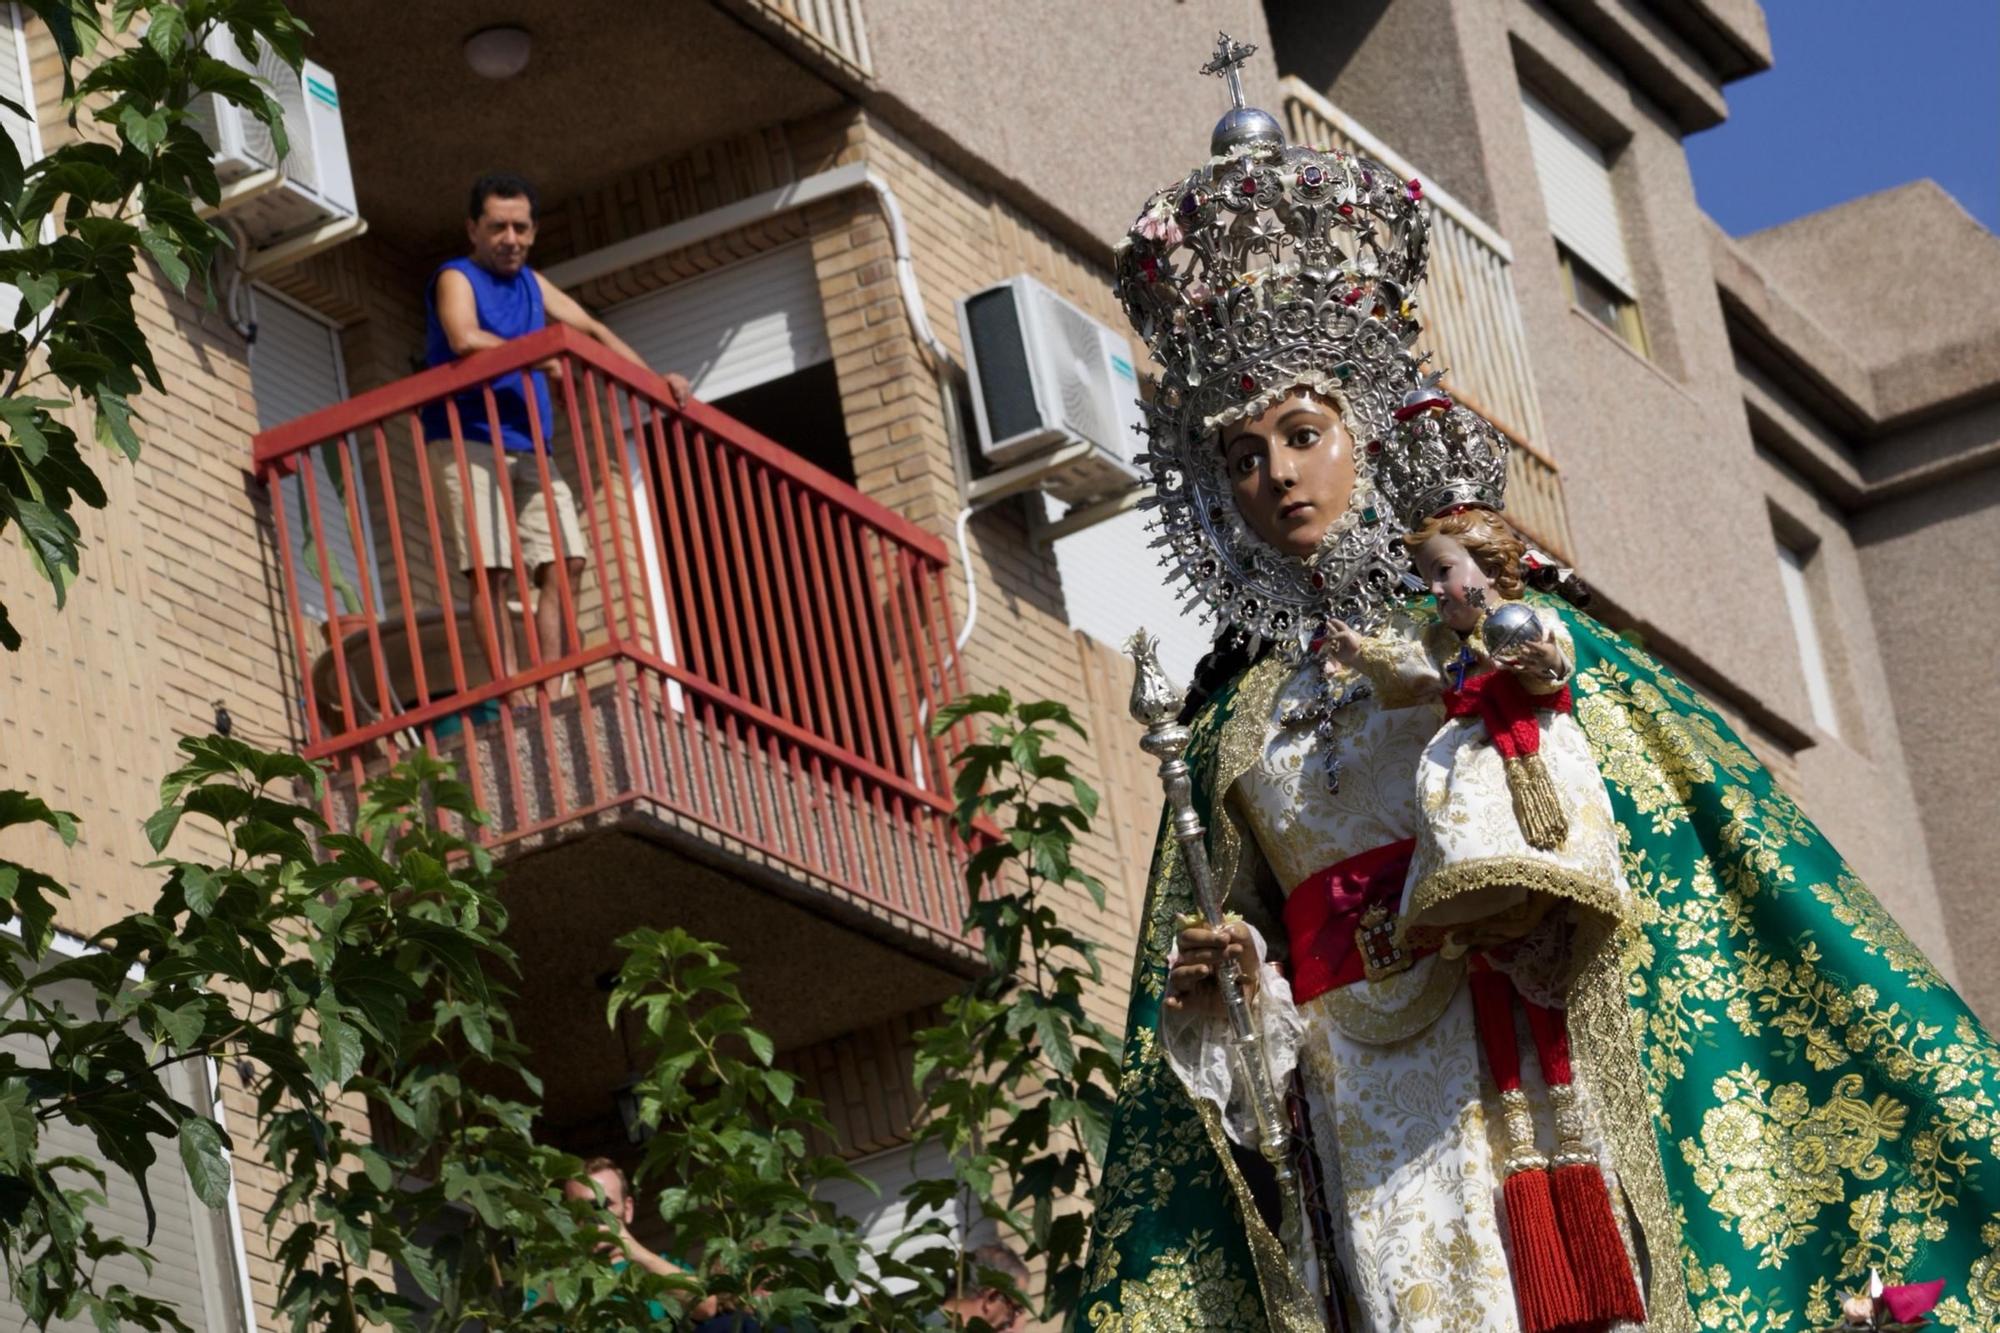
[(1605, 1055), (1537, 805), (1598, 893)]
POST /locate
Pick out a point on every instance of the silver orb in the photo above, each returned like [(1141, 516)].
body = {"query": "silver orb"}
[(1244, 127), (1509, 626)]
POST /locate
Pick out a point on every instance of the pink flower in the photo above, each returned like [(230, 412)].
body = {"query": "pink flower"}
[(1913, 1301), (1160, 228), (1197, 292), (1415, 188)]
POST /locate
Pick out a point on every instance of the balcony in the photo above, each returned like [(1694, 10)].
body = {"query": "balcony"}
[(1472, 318), (729, 722)]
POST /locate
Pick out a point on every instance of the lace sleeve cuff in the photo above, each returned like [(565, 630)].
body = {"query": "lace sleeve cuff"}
[(1197, 1044)]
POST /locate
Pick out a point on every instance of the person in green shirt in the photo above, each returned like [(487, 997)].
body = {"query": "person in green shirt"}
[(602, 1175)]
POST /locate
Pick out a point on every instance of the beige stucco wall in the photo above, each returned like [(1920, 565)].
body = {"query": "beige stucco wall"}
[(1928, 561), (1086, 108), (1856, 783)]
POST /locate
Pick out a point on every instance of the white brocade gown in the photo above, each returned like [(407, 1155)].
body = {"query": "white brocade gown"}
[(1405, 1119)]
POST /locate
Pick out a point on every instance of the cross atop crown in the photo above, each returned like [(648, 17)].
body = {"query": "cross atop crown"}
[(1228, 62)]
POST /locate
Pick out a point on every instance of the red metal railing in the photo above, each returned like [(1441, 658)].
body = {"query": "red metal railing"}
[(750, 644)]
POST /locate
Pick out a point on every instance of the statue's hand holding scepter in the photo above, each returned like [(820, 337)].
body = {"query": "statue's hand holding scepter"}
[(1156, 704)]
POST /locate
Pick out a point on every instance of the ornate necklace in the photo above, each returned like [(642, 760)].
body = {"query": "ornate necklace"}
[(1318, 710)]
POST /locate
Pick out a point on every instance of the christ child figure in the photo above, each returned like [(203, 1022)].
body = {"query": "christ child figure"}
[(1514, 819)]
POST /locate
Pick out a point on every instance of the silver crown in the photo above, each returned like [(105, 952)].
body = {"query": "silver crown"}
[(1267, 268), (1444, 457)]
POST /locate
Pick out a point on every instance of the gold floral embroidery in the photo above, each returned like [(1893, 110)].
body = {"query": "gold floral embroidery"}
[(1461, 1265), (1400, 665), (1396, 1007), (1654, 752), (1870, 924), (1187, 1289), (1770, 1161), (1721, 1302), (1984, 1287)]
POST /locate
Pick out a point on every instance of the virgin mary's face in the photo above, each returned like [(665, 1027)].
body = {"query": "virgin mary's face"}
[(1291, 471)]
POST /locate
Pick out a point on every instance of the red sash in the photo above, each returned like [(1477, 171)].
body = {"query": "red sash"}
[(1322, 914), (1508, 710)]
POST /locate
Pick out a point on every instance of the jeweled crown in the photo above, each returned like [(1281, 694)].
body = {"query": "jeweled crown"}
[(1267, 268), (1445, 457), (1268, 247)]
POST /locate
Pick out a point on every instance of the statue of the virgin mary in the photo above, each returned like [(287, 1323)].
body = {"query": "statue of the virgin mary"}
[(1760, 1090)]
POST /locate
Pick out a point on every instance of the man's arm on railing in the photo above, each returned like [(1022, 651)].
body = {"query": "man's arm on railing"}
[(458, 315), (565, 309)]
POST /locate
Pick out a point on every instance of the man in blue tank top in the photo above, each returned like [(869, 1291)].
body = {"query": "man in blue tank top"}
[(483, 300)]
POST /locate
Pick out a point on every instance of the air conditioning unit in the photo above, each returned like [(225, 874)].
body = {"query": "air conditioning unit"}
[(309, 192), (1051, 383)]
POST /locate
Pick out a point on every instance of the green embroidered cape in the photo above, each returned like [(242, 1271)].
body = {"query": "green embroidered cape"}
[(1821, 1101)]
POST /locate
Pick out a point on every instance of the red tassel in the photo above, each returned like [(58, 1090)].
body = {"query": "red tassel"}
[(1543, 1282), (1596, 1250)]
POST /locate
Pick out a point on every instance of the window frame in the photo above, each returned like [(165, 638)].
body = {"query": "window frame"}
[(314, 603), (1797, 575), (1630, 325)]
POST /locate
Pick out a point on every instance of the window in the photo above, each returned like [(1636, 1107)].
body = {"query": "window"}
[(1582, 205), (751, 338), (17, 86), (296, 369), (1793, 570), (1593, 294), (197, 1251), (747, 324), (886, 1214)]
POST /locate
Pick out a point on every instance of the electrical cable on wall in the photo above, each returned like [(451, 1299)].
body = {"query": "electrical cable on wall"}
[(233, 298)]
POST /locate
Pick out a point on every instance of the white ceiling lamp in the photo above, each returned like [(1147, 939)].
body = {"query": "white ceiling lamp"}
[(499, 52)]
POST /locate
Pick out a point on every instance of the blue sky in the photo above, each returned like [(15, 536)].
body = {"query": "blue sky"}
[(1861, 95)]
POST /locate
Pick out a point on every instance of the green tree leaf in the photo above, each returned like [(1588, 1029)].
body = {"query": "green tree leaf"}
[(18, 1136), (201, 1154)]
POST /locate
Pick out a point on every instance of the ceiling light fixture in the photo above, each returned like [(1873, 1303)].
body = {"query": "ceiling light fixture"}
[(499, 52)]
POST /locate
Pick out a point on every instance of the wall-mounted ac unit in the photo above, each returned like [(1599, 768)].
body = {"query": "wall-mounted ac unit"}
[(287, 206), (1051, 383)]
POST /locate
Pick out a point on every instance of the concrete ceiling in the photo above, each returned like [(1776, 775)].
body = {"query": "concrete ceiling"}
[(805, 978), (611, 85)]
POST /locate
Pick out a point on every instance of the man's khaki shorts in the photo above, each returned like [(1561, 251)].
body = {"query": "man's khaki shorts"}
[(524, 499)]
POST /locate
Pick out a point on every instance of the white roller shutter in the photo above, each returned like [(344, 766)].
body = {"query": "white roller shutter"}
[(883, 1217), (1113, 584), (1577, 190), (190, 1245), (729, 330), (17, 85), (295, 369)]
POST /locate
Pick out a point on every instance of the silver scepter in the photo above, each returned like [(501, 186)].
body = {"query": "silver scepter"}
[(1156, 704)]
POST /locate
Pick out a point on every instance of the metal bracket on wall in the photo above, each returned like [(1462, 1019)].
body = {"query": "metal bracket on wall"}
[(1088, 515), (1027, 476)]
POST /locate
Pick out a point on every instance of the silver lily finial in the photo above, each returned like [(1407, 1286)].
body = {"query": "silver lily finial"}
[(1154, 698)]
